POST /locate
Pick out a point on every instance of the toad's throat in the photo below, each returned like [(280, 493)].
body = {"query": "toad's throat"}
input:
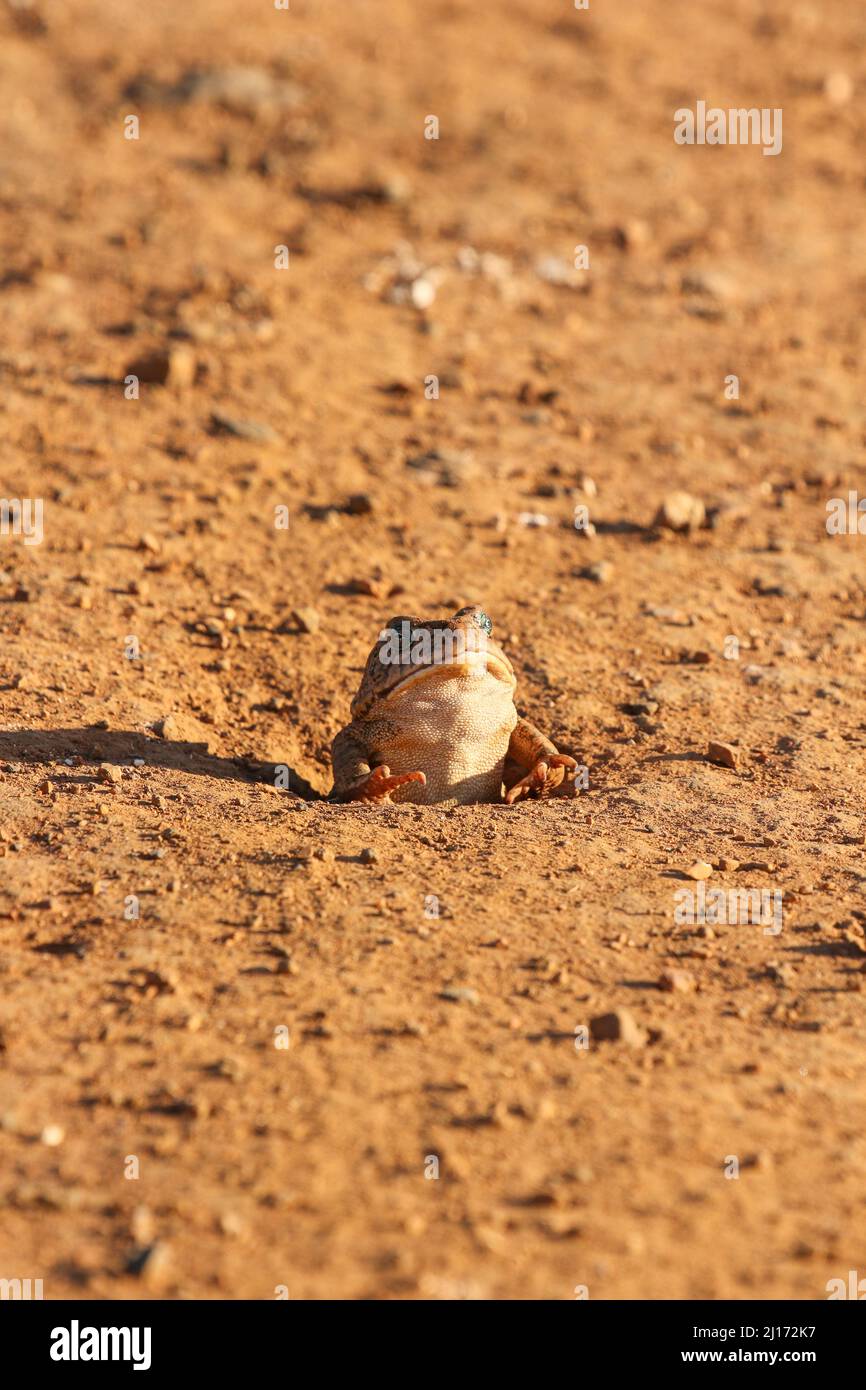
[(469, 666)]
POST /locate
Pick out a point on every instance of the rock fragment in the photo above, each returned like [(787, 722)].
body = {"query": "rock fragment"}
[(359, 504), (680, 512), (677, 982), (307, 619), (460, 994), (250, 430), (560, 273), (152, 1264), (725, 754), (618, 1026), (632, 235), (375, 587), (174, 366), (244, 90), (699, 870), (598, 574)]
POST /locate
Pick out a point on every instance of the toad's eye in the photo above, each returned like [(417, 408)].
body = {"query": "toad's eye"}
[(485, 623)]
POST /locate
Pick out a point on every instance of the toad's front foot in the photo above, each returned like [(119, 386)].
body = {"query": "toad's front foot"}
[(379, 784), (547, 773)]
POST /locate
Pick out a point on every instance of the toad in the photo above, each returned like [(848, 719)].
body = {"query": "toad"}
[(434, 720)]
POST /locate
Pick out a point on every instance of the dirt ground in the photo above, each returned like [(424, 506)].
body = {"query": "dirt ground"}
[(286, 242)]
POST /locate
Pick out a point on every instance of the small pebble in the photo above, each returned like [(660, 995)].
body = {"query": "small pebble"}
[(243, 429), (142, 1226), (152, 1265), (175, 367), (460, 994), (725, 754), (618, 1026), (599, 574), (680, 511), (307, 619), (677, 982), (699, 870)]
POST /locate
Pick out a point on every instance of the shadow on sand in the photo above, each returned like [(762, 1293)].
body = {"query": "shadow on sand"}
[(97, 745)]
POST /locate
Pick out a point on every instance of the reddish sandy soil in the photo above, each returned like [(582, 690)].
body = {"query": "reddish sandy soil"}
[(148, 1044)]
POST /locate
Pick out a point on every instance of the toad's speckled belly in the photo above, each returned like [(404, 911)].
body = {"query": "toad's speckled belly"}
[(456, 732)]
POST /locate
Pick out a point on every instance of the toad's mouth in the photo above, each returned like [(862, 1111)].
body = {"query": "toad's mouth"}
[(470, 665)]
